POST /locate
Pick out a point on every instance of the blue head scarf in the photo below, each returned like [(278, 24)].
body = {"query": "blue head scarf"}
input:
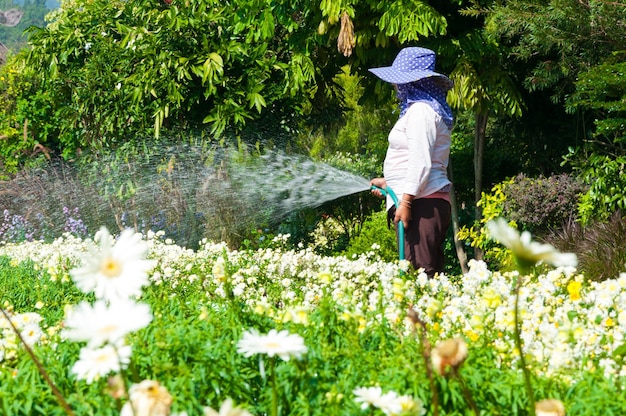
[(427, 90)]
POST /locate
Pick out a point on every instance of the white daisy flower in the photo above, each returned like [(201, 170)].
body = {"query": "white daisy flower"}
[(118, 270), (31, 334), (102, 323), (282, 344), (388, 402), (368, 396), (528, 253), (98, 362)]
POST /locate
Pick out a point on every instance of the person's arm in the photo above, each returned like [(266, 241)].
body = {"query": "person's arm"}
[(403, 211)]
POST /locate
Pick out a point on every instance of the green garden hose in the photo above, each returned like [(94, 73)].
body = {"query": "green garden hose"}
[(388, 191)]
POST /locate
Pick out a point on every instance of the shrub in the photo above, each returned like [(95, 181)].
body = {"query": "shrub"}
[(375, 236), (599, 246), (543, 203), (492, 204), (539, 205)]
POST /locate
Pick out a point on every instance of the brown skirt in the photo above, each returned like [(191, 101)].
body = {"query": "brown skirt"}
[(426, 233)]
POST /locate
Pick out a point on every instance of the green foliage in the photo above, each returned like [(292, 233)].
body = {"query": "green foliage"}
[(602, 91), (606, 180), (375, 238), (116, 68), (492, 204), (24, 285), (383, 24), (367, 167), (25, 113), (483, 79), (363, 137), (558, 38)]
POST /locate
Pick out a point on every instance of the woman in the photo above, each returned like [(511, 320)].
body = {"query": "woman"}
[(416, 163)]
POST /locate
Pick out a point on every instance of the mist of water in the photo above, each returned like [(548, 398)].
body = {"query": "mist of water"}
[(190, 192), (290, 183)]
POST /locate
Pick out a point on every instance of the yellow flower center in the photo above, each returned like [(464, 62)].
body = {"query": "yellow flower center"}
[(110, 268), (101, 358), (108, 329)]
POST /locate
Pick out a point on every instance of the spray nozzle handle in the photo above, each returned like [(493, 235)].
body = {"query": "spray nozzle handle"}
[(388, 191), (378, 188)]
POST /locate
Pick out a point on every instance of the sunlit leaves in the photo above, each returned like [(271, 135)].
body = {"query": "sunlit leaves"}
[(118, 67), (212, 68), (411, 23), (331, 9)]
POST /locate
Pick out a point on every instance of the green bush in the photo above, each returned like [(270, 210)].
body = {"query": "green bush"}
[(375, 237), (539, 205), (607, 181)]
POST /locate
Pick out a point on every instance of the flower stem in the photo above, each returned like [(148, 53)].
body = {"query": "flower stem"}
[(518, 344), (274, 388), (40, 368), (426, 352), (466, 393)]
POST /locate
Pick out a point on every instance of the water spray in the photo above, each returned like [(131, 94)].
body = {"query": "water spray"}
[(388, 191)]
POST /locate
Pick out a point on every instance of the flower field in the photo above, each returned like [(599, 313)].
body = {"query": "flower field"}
[(136, 325)]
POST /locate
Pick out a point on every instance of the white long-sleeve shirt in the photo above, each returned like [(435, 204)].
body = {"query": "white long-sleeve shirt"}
[(418, 153)]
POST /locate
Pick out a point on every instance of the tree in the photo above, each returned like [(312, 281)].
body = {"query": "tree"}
[(576, 50), (111, 70), (484, 85)]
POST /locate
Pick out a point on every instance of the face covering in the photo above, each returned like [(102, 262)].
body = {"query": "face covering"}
[(429, 91)]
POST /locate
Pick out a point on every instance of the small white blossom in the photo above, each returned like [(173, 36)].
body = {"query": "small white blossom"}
[(282, 344), (98, 362)]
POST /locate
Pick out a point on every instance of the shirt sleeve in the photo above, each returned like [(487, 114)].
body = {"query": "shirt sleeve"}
[(421, 133)]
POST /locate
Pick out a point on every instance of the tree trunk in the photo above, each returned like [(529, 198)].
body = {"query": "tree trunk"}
[(479, 153), (458, 244)]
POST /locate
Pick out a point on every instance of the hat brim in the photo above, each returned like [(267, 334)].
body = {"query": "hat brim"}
[(392, 75)]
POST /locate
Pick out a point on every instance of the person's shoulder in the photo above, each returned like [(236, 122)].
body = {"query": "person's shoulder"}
[(421, 109)]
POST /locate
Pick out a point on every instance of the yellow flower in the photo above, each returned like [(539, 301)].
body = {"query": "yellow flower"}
[(473, 336), (609, 322), (492, 298), (297, 315), (573, 288), (325, 277), (362, 325)]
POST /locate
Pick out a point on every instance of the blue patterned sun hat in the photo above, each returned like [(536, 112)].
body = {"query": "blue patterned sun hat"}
[(411, 64)]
